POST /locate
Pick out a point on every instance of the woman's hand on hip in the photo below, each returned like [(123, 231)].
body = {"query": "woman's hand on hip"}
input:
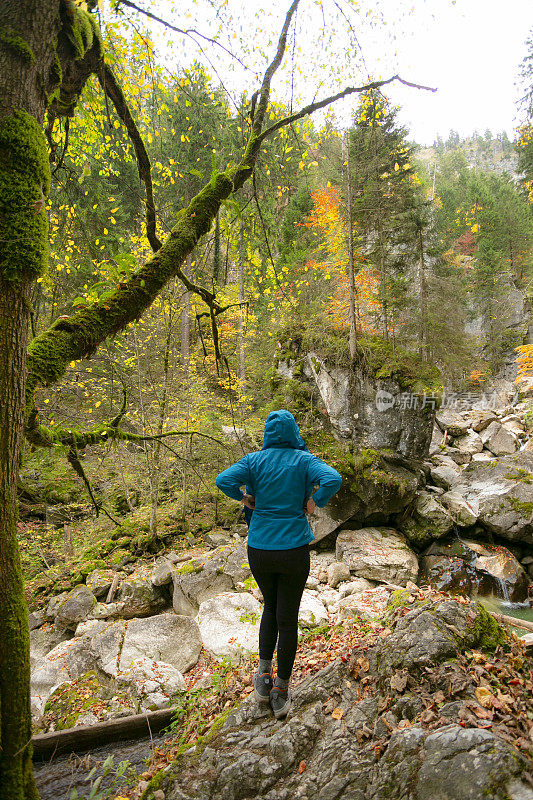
[(249, 501), (309, 506)]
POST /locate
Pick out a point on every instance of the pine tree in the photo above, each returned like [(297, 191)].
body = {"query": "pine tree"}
[(383, 201)]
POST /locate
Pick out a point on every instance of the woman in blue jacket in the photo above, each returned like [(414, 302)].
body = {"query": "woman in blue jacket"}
[(279, 480)]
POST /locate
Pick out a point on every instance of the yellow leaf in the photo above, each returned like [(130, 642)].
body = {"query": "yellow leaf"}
[(396, 167), (337, 713), (484, 696)]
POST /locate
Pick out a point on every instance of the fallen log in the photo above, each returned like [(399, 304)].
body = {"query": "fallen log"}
[(515, 621), (88, 737)]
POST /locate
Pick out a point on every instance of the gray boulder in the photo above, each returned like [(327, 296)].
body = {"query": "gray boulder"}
[(498, 439), (502, 492), (44, 639), (99, 582), (471, 442), (428, 520), (139, 595), (312, 611), (169, 638), (451, 763), (373, 413), (162, 572), (66, 662), (229, 624), (203, 578), (337, 573), (75, 606), (479, 419), (452, 422), (463, 513), (379, 554), (446, 473)]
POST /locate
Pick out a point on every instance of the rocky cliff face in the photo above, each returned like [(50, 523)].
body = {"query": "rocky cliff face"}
[(364, 409), (515, 322), (373, 423)]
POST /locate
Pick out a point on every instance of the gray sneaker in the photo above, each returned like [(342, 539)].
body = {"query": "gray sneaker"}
[(281, 701), (262, 686)]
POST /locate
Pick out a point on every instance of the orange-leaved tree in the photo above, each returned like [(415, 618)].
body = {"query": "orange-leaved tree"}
[(328, 219)]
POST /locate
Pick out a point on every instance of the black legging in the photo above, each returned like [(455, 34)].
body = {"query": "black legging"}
[(281, 576)]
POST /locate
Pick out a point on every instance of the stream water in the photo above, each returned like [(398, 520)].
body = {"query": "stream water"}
[(519, 610), (57, 779)]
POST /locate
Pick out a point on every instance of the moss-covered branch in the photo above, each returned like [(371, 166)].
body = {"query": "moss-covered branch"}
[(77, 336), (41, 436), (78, 54)]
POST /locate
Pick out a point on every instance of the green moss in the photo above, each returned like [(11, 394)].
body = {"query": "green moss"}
[(71, 700), (83, 32), (249, 616), (17, 45), (488, 634), (188, 568), (375, 356), (91, 566), (520, 474), (525, 508), (24, 187), (397, 599), (387, 362), (120, 556)]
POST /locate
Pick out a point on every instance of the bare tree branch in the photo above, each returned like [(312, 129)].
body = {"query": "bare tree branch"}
[(327, 101), (109, 84), (190, 32)]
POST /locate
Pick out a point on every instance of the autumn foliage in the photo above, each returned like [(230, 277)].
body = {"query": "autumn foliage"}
[(329, 221)]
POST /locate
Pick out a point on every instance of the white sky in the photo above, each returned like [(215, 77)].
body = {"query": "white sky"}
[(471, 52), (469, 49)]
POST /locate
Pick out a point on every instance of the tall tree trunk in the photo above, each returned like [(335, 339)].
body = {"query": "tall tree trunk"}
[(242, 361), (351, 265), (24, 185), (16, 777), (161, 421), (186, 322), (422, 331), (216, 254)]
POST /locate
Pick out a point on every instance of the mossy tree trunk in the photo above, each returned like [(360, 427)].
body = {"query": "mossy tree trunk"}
[(24, 181), (35, 50), (16, 779)]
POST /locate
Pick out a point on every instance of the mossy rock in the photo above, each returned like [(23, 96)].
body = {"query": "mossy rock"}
[(120, 556)]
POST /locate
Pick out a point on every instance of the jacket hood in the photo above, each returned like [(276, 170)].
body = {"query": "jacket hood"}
[(281, 430)]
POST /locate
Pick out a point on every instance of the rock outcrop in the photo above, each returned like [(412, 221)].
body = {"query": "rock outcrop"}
[(373, 412), (396, 718), (375, 489)]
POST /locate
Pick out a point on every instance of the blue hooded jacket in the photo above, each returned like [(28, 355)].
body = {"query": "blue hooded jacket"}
[(281, 477)]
